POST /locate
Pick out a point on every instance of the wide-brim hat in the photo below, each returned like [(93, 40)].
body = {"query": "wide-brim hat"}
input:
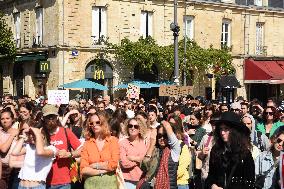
[(233, 120), (49, 109)]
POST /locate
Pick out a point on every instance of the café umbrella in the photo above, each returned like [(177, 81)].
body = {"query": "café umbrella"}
[(84, 84)]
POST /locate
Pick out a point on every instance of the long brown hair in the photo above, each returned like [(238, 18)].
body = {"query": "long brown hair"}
[(104, 125)]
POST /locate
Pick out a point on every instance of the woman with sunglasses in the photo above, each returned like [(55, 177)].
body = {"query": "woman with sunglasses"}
[(267, 162), (100, 154), (132, 152), (160, 167), (270, 121)]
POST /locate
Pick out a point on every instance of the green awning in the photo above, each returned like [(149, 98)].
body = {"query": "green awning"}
[(30, 57)]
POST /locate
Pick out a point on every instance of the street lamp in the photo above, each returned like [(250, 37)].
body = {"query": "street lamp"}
[(175, 28)]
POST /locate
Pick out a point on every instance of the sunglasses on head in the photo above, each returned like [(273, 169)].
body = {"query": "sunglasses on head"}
[(130, 126), (164, 136), (279, 140), (95, 123), (268, 113)]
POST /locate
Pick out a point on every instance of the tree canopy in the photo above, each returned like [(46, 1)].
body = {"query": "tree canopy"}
[(7, 45), (145, 52)]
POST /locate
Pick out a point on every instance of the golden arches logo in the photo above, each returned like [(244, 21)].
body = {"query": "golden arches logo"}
[(44, 66), (99, 74)]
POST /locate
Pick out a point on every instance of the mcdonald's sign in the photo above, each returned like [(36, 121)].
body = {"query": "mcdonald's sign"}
[(44, 66), (99, 74)]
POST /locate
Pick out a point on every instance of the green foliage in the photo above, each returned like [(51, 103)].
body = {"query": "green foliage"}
[(7, 45), (145, 52)]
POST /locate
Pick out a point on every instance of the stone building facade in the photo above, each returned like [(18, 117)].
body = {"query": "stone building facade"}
[(65, 34)]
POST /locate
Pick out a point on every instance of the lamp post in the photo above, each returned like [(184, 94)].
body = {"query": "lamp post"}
[(175, 28)]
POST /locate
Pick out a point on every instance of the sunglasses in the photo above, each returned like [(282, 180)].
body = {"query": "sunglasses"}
[(268, 113), (130, 126), (120, 106), (279, 141), (95, 123), (164, 136)]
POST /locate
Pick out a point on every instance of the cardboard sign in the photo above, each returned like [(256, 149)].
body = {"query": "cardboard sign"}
[(133, 91), (173, 90), (58, 97)]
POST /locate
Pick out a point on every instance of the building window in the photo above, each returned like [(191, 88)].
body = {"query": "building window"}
[(258, 2), (146, 24), (17, 24), (189, 26), (259, 38), (39, 26), (226, 36), (99, 24)]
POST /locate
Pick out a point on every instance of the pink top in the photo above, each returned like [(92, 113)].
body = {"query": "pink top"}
[(130, 169), (4, 136)]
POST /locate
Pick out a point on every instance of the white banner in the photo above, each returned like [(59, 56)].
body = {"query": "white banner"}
[(58, 97)]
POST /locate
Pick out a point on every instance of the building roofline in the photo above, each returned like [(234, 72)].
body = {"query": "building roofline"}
[(237, 6)]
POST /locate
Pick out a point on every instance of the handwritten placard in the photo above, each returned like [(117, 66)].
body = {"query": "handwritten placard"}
[(58, 97), (173, 90), (133, 91)]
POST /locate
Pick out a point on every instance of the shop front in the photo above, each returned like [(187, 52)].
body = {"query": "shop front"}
[(262, 77)]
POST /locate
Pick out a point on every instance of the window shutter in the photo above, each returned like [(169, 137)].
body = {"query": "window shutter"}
[(103, 22), (143, 24), (150, 24), (95, 23), (39, 25)]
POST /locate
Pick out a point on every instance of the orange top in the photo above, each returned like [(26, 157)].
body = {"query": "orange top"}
[(91, 154)]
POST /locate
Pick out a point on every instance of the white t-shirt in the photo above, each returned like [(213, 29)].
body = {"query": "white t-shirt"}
[(35, 167)]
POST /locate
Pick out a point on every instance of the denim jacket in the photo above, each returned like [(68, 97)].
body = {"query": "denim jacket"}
[(263, 163)]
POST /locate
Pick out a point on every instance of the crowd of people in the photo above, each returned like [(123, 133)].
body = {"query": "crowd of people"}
[(185, 143)]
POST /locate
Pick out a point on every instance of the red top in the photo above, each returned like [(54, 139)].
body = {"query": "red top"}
[(59, 173)]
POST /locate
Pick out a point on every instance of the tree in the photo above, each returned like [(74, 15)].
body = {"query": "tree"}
[(145, 52), (7, 45)]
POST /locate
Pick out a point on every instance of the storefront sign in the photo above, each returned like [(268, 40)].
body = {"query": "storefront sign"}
[(99, 74), (58, 97), (44, 66), (173, 90)]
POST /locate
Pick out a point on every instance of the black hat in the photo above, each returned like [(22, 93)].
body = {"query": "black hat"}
[(233, 120)]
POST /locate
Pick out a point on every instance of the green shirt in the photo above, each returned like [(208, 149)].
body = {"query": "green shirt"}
[(261, 127)]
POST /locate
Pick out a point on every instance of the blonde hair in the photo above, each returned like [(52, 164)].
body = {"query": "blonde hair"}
[(105, 132), (74, 104), (142, 127)]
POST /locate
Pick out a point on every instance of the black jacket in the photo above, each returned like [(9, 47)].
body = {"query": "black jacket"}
[(220, 167)]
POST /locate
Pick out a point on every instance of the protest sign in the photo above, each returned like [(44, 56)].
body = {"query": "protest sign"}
[(58, 97), (173, 90), (133, 91)]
